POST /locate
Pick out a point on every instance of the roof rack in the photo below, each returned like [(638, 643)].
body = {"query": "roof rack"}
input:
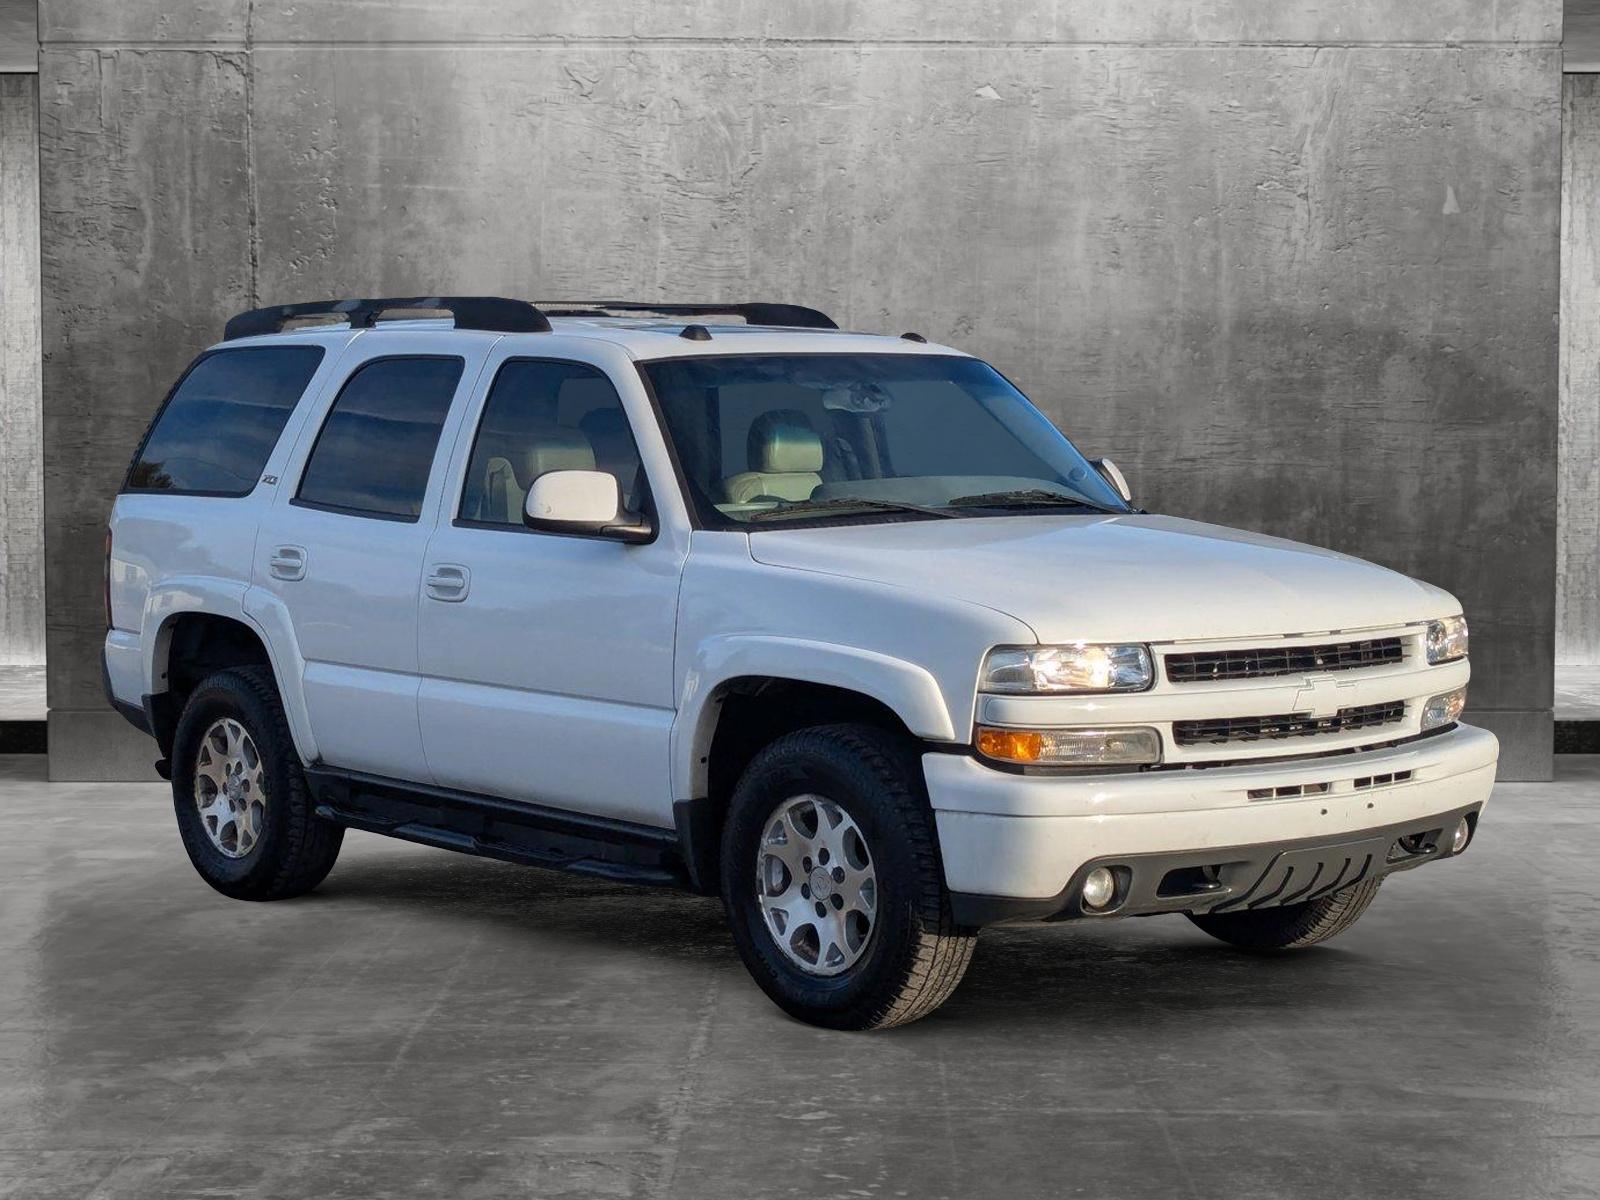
[(499, 315), (493, 313), (793, 315)]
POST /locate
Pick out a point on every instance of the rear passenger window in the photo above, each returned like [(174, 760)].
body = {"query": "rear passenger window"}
[(544, 415), (217, 429), (375, 450)]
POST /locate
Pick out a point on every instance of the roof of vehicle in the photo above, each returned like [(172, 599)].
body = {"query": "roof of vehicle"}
[(642, 330), (642, 339)]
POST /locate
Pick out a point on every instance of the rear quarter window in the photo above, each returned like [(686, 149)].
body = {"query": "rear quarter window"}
[(216, 430)]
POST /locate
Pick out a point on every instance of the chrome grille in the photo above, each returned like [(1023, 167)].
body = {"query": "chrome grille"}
[(1224, 731), (1207, 665)]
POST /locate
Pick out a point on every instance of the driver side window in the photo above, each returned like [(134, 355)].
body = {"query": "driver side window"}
[(546, 415)]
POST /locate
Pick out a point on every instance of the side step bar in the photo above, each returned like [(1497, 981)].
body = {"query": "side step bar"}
[(489, 827)]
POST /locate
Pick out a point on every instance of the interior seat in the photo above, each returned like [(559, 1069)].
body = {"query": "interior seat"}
[(785, 456), (614, 452), (514, 462)]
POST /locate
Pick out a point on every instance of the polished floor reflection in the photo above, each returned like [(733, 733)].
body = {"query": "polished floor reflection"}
[(436, 1026)]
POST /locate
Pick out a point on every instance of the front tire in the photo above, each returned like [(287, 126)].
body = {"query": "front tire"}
[(1291, 926), (244, 811), (833, 884)]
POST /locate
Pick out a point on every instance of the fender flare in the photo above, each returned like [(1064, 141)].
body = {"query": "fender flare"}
[(907, 689), (237, 601)]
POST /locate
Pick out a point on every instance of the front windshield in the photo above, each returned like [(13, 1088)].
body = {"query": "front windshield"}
[(771, 439)]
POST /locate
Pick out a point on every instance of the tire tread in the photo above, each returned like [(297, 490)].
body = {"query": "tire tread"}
[(310, 845), (940, 951), (1291, 927)]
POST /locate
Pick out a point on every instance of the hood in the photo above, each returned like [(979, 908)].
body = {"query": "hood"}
[(1117, 578)]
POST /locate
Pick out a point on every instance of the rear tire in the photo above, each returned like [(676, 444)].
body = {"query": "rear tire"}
[(913, 955), (1291, 926), (256, 836)]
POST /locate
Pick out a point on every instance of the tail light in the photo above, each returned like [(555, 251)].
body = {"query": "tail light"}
[(108, 578)]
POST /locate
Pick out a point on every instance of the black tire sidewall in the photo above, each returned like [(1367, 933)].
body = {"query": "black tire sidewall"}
[(230, 695), (800, 766)]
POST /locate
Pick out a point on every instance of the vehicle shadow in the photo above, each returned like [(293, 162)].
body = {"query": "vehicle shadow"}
[(1115, 973)]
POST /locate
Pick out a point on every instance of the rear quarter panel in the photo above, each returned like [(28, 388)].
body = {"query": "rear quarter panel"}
[(173, 553)]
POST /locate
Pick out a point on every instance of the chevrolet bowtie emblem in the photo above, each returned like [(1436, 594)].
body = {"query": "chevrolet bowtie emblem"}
[(1322, 695)]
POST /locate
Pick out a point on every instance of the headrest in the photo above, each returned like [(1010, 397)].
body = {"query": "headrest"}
[(552, 448), (607, 425), (783, 443)]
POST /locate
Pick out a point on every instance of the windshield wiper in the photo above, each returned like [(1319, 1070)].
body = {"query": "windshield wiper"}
[(1028, 498), (804, 508)]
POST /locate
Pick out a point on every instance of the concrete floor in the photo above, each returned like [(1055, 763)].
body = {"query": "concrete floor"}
[(439, 1026), (1577, 693), (22, 693)]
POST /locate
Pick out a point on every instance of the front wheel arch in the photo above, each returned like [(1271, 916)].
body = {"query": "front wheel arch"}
[(748, 714), (727, 665)]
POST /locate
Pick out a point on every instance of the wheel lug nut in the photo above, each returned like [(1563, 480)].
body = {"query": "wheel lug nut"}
[(822, 909), (838, 874), (805, 890), (806, 863), (838, 901), (822, 856)]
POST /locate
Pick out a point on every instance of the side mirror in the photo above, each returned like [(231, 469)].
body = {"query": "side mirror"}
[(1109, 472), (584, 502)]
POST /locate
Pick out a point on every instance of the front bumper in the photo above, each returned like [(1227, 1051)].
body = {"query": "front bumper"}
[(1017, 847)]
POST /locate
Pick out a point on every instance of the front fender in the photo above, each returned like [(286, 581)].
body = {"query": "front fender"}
[(906, 688)]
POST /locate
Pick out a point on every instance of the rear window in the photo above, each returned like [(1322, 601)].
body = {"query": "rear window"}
[(218, 427)]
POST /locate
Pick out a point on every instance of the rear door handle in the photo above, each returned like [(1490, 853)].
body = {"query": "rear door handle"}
[(287, 562), (449, 582)]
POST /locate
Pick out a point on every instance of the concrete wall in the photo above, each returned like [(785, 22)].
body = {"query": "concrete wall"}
[(21, 478), (1580, 35), (1578, 548), (19, 36), (1293, 264)]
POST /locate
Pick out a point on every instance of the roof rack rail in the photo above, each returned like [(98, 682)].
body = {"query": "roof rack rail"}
[(758, 313), (493, 313)]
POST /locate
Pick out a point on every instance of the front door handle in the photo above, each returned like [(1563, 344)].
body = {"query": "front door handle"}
[(449, 582), (287, 562)]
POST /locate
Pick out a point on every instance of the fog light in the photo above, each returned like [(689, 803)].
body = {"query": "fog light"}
[(1099, 888), (1462, 834), (1444, 709)]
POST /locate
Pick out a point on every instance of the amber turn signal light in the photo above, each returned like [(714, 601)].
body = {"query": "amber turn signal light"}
[(1069, 747)]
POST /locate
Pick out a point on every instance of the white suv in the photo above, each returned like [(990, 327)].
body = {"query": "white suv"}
[(836, 625)]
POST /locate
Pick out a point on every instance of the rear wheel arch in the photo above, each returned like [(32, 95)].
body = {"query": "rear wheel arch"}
[(189, 646)]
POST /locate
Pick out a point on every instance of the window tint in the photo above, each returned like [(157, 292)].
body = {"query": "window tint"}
[(219, 426), (758, 433), (376, 447), (546, 416)]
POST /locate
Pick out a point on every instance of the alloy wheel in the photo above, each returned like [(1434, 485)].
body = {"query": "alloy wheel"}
[(817, 885), (229, 788)]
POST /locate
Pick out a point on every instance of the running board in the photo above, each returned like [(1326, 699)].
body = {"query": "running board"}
[(490, 827)]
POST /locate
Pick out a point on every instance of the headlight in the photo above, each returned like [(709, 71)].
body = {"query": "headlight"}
[(1133, 747), (1032, 670), (1444, 709), (1447, 640)]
